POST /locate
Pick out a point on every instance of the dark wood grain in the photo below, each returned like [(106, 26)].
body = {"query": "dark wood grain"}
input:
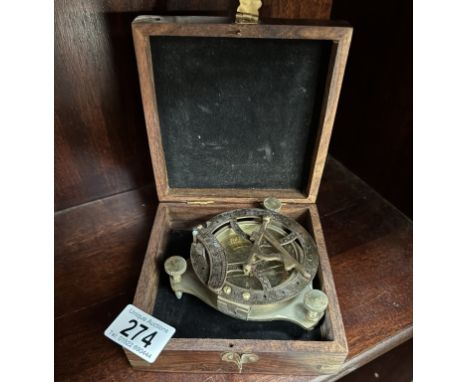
[(373, 127), (371, 267), (98, 249), (100, 142), (100, 139), (287, 9), (394, 366), (312, 9)]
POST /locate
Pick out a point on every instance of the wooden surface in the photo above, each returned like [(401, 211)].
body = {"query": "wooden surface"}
[(100, 138), (394, 366), (373, 128), (145, 27), (100, 248)]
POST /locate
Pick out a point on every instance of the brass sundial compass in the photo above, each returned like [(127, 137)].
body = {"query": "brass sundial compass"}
[(252, 264)]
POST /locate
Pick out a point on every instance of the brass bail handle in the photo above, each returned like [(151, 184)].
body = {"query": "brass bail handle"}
[(247, 11)]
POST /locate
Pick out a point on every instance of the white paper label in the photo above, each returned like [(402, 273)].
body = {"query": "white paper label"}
[(140, 333)]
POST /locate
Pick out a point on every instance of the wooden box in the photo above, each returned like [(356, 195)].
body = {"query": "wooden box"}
[(236, 113)]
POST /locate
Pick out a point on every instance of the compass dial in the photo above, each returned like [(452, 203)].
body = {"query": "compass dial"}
[(254, 256)]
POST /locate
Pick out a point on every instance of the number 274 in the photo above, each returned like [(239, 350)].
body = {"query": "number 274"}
[(146, 340)]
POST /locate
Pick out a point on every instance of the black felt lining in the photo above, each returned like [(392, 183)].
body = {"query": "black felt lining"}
[(192, 318), (239, 113)]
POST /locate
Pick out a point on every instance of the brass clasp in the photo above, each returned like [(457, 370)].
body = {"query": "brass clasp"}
[(247, 12)]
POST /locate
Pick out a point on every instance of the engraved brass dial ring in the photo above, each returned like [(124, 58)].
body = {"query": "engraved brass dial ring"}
[(254, 257)]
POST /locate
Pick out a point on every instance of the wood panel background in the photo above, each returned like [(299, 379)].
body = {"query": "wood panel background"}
[(373, 129), (100, 139)]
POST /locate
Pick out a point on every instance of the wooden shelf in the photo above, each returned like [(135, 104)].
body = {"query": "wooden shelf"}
[(99, 249)]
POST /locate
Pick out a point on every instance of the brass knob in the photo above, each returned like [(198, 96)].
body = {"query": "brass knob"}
[(272, 204), (315, 303), (175, 266)]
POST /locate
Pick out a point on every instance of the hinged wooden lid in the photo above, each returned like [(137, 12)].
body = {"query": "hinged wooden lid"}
[(238, 112)]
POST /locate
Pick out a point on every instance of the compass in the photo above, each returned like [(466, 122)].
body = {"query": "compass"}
[(252, 264)]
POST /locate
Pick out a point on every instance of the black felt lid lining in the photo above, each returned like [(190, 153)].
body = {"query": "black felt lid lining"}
[(239, 113)]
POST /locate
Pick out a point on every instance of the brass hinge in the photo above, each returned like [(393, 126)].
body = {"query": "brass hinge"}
[(247, 12), (202, 202)]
